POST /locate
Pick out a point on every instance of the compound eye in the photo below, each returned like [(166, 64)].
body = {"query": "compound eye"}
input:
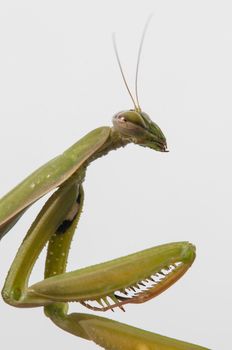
[(132, 117), (129, 123), (121, 117)]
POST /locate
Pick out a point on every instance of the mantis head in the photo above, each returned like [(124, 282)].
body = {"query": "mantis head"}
[(134, 124), (140, 129)]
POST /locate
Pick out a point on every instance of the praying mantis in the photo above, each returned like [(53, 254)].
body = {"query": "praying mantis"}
[(135, 278)]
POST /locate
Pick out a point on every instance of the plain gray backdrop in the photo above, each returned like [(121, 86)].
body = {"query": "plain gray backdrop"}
[(58, 80)]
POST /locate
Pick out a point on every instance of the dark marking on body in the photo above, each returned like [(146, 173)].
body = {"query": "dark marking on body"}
[(64, 227), (79, 198)]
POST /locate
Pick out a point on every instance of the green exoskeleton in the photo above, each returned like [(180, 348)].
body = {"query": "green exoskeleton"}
[(135, 278)]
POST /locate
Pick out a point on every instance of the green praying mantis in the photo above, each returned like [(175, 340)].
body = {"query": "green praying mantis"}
[(135, 278)]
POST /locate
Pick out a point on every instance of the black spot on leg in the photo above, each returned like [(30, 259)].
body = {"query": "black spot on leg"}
[(64, 226), (78, 200)]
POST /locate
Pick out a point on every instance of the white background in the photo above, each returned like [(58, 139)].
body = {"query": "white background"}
[(58, 80)]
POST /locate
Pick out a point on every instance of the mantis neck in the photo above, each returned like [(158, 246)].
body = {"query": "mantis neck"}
[(114, 141)]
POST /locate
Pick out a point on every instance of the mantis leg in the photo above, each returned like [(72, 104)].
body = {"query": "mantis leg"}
[(61, 209), (56, 223)]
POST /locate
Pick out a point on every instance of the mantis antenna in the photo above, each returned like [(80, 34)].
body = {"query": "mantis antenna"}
[(138, 59), (120, 67), (135, 103)]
